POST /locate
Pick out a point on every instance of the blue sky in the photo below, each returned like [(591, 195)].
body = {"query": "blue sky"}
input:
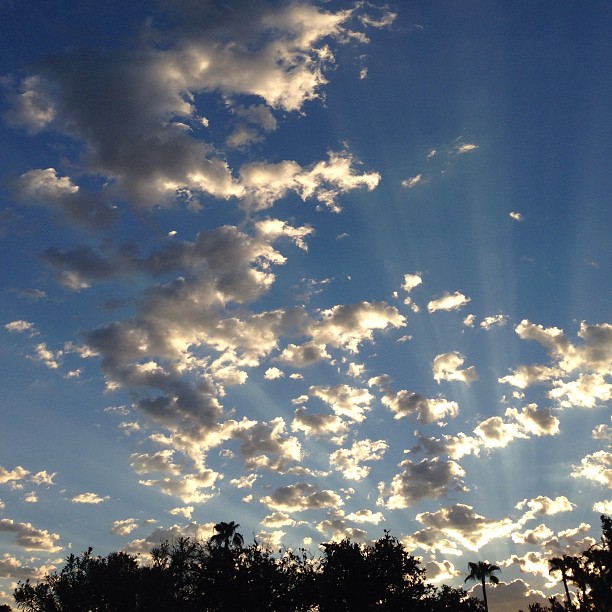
[(323, 269)]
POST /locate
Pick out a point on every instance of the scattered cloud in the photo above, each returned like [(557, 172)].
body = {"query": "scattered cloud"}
[(448, 301), (89, 498)]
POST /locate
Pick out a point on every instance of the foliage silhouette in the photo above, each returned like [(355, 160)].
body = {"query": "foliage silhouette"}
[(188, 575), (482, 571), (222, 575)]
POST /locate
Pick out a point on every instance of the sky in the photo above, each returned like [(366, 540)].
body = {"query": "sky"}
[(320, 268)]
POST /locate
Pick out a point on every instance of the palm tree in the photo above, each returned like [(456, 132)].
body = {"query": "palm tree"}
[(480, 572), (226, 535), (562, 564)]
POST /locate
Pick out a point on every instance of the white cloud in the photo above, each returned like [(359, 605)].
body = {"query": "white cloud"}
[(348, 460), (412, 181), (448, 301), (124, 527), (16, 474), (603, 507), (493, 320), (516, 216), (318, 424), (21, 327), (89, 498), (596, 467), (273, 374), (347, 326), (424, 410), (446, 366), (460, 524), (585, 391), (428, 478), (29, 537), (346, 401), (545, 506), (184, 511), (301, 496), (465, 147)]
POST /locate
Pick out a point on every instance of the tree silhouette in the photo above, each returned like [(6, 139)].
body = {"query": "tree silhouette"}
[(227, 534), (562, 564), (482, 571)]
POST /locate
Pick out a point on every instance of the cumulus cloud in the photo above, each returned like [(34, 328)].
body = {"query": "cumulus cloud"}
[(447, 366), (89, 498), (21, 327), (279, 56), (460, 526), (29, 537), (424, 410), (124, 527), (410, 282), (448, 301), (349, 460), (455, 447), (428, 478), (543, 506), (347, 402), (596, 467), (603, 507), (493, 320), (516, 216), (14, 475), (318, 424), (347, 326), (301, 496)]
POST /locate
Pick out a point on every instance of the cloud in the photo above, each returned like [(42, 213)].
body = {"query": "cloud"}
[(189, 488), (47, 356), (89, 498), (346, 401), (454, 446), (448, 301), (585, 391), (446, 366), (460, 525), (278, 519), (412, 182), (424, 410), (603, 507), (318, 424), (161, 461), (510, 596), (21, 327), (545, 506), (273, 374), (596, 467), (465, 148), (516, 216), (13, 568), (43, 187), (124, 527), (347, 326), (184, 511), (143, 546), (348, 460), (304, 355), (410, 282), (151, 156), (493, 320), (29, 537), (266, 445), (301, 496), (428, 478), (14, 475)]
